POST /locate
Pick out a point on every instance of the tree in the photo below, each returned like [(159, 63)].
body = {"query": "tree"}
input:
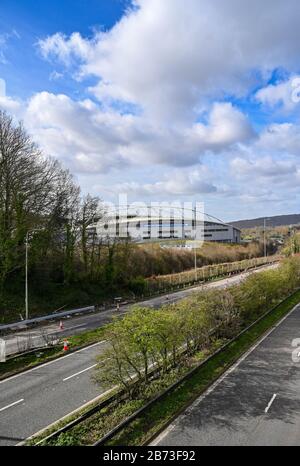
[(27, 188), (89, 215)]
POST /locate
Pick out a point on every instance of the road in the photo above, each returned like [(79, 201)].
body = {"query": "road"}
[(38, 397), (16, 342), (32, 400), (256, 403)]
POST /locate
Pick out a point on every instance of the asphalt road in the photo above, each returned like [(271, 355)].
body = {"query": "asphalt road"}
[(256, 403), (16, 342), (42, 395)]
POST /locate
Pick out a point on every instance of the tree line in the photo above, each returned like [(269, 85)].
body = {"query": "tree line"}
[(40, 199), (166, 338), (41, 203)]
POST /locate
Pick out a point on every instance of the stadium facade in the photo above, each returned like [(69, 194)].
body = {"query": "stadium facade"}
[(161, 225)]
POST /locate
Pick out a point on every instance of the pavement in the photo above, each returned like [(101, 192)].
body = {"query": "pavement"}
[(34, 399), (256, 403), (18, 341)]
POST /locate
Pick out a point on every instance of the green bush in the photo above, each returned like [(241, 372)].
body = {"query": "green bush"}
[(137, 285), (164, 338)]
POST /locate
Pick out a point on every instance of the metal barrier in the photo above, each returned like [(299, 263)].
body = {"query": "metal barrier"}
[(55, 316), (58, 315)]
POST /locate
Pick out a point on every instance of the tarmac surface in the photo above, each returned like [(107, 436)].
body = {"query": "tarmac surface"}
[(40, 396), (256, 403)]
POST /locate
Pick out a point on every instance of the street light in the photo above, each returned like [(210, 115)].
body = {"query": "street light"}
[(26, 276), (195, 248), (265, 239), (26, 272)]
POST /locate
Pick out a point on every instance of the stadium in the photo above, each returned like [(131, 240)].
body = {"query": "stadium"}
[(149, 224)]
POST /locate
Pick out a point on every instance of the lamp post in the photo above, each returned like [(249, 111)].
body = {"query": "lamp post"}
[(26, 272), (26, 276), (195, 248), (265, 239)]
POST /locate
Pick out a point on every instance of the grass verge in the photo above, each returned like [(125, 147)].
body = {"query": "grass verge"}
[(162, 412), (143, 429)]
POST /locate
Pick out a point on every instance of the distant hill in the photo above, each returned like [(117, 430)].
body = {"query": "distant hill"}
[(276, 221)]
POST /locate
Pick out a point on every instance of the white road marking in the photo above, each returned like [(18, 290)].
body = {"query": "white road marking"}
[(72, 328), (40, 432), (78, 373), (172, 426), (52, 362), (12, 404), (270, 403)]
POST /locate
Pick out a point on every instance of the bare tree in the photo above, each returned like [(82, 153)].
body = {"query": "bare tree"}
[(90, 214)]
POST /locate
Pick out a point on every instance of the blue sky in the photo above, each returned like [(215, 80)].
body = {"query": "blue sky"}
[(25, 73), (165, 101)]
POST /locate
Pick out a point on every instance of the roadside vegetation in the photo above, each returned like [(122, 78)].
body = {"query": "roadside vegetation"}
[(167, 337), (292, 246), (28, 356), (149, 350), (68, 264)]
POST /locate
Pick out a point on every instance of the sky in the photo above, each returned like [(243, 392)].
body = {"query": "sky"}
[(165, 101)]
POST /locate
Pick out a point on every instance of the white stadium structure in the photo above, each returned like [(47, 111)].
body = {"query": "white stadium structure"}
[(159, 224)]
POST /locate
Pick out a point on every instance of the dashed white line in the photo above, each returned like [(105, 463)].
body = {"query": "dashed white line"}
[(58, 360), (270, 403), (12, 404), (72, 328), (78, 373)]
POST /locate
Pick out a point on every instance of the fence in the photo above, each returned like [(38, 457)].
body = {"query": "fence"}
[(168, 282)]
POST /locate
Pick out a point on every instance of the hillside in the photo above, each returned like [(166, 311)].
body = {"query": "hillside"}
[(276, 221)]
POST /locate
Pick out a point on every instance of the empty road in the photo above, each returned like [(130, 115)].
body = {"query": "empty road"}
[(40, 396), (256, 403), (74, 325)]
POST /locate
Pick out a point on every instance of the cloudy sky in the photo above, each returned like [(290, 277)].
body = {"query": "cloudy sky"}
[(162, 99)]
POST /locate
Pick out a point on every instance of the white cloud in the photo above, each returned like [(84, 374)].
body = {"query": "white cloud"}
[(55, 75), (188, 182), (2, 88), (170, 56), (285, 93), (90, 139), (7, 103), (226, 126), (176, 63), (267, 167), (4, 39), (283, 138), (65, 49)]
